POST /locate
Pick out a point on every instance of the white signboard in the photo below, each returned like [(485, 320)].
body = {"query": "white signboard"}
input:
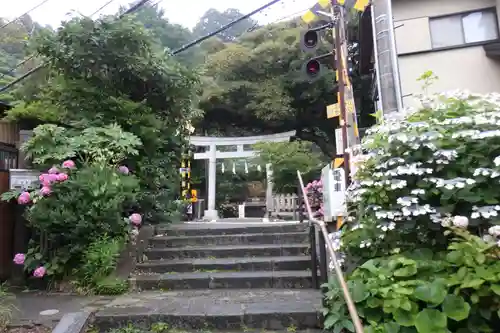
[(21, 179), (333, 192)]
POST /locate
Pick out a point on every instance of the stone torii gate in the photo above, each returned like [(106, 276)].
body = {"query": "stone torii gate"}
[(213, 154)]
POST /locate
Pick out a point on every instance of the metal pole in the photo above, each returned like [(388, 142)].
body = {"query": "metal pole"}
[(339, 66), (394, 53), (387, 68), (375, 56)]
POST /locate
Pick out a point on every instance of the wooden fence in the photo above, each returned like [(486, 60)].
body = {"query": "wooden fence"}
[(284, 205)]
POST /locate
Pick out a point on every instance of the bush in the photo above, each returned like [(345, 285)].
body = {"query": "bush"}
[(98, 265), (78, 211), (423, 166), (425, 205), (7, 307), (457, 290)]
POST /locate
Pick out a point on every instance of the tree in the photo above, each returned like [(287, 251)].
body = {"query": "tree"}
[(256, 84), (111, 71), (288, 157), (169, 36), (213, 20), (14, 46)]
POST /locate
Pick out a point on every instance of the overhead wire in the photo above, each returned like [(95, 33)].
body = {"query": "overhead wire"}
[(26, 13), (131, 10), (34, 55), (223, 28), (175, 52)]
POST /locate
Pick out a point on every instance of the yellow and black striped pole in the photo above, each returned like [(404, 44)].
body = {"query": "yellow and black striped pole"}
[(185, 172)]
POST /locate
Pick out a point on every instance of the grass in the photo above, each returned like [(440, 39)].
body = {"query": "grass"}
[(7, 307)]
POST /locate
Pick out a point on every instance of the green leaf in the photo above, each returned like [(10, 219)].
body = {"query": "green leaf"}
[(456, 308), (391, 328), (348, 325), (404, 318), (496, 288), (476, 283), (430, 321), (331, 320), (406, 271), (434, 292), (358, 291)]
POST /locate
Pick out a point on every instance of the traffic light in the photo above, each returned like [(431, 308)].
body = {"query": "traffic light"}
[(309, 40), (313, 68)]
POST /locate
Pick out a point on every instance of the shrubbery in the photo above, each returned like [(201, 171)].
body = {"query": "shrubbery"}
[(422, 237)]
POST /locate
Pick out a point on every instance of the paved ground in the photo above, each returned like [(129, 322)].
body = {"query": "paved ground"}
[(40, 308), (215, 302)]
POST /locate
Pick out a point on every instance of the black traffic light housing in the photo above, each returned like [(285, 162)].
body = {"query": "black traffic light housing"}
[(310, 39), (313, 67)]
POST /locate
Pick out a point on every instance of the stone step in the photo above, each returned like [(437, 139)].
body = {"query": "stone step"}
[(293, 263), (200, 229), (268, 250), (237, 239), (222, 280), (211, 310)]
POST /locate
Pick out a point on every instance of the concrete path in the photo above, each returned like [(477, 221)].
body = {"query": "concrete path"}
[(46, 309)]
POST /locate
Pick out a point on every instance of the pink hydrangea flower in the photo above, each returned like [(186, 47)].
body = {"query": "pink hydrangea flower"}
[(19, 259), (135, 219), (62, 177), (43, 177), (68, 164), (45, 191), (53, 170), (123, 169), (24, 198), (39, 272)]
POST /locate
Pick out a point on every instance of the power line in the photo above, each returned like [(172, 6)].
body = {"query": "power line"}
[(102, 7), (223, 28), (34, 55), (24, 76), (29, 11)]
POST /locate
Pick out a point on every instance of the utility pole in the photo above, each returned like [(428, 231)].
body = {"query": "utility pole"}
[(386, 57)]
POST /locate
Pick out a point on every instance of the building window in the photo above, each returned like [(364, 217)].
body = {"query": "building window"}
[(463, 29)]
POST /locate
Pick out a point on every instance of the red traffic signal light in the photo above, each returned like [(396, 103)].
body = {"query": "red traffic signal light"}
[(313, 67)]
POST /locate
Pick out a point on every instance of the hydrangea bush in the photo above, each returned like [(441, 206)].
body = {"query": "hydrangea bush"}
[(423, 166), (423, 227), (314, 191)]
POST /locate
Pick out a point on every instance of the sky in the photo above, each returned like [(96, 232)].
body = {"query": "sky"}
[(186, 13)]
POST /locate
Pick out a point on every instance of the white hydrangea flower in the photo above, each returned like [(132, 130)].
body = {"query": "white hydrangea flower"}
[(460, 221), (494, 231)]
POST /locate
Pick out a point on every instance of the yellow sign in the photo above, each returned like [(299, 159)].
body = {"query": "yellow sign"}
[(194, 195), (338, 162), (322, 5), (340, 222), (332, 111)]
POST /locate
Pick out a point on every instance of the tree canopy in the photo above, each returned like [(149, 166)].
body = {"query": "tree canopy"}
[(214, 19), (256, 84)]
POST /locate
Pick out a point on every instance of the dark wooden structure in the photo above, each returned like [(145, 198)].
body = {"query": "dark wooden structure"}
[(9, 137)]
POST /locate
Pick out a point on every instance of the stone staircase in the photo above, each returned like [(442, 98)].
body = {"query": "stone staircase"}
[(222, 276)]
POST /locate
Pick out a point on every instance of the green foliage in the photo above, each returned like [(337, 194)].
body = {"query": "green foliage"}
[(421, 199), (98, 265), (79, 211), (423, 291), (93, 83), (7, 307), (422, 168), (256, 85), (214, 19), (286, 158), (94, 145)]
